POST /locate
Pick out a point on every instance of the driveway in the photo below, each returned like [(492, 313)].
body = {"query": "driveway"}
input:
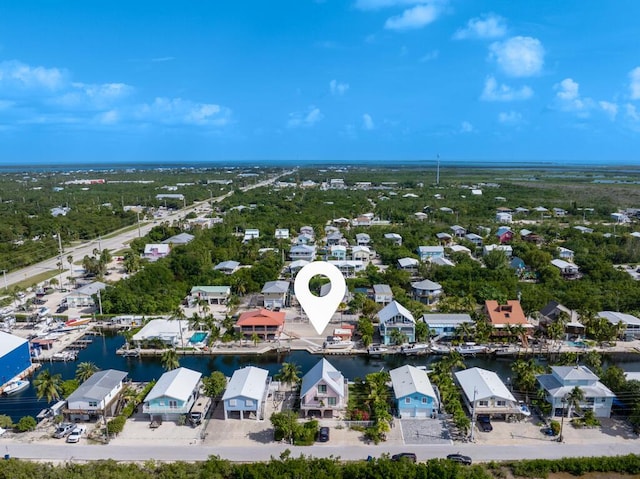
[(424, 431)]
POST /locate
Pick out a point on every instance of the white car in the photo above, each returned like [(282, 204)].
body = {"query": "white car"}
[(76, 434)]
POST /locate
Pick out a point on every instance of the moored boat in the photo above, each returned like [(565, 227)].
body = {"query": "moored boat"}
[(415, 348), (16, 386), (72, 323), (440, 349), (471, 348), (337, 343), (377, 350)]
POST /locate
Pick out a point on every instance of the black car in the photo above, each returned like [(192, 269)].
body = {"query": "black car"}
[(323, 434), (466, 460), (408, 456), (484, 423)]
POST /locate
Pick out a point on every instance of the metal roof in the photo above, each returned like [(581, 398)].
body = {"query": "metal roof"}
[(323, 370), (9, 342), (409, 380), (176, 384), (393, 309), (480, 384), (249, 382), (98, 386)]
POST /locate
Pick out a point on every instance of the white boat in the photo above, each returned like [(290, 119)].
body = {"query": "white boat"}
[(440, 349), (377, 350), (471, 348), (337, 343), (15, 386), (415, 348), (524, 409)]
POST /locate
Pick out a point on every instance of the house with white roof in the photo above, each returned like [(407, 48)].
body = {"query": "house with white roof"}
[(211, 294), (297, 265), (227, 267), (567, 270), (444, 325), (395, 317), (485, 393), (173, 394), (302, 252), (505, 248), (475, 239), (630, 324), (324, 390), (409, 264), (169, 331), (361, 253), (338, 252), (583, 229), (246, 393), (427, 253), (395, 238), (415, 396), (282, 233), (503, 217), (565, 253), (275, 294), (97, 396), (563, 379), (154, 252), (426, 291), (182, 238), (458, 231), (83, 297), (349, 268), (382, 294), (363, 239), (250, 233)]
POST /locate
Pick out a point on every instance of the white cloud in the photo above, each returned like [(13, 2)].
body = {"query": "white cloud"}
[(568, 97), (611, 109), (15, 74), (510, 117), (432, 55), (367, 122), (176, 111), (413, 18), (338, 88), (378, 4), (110, 117), (518, 56), (466, 127), (634, 83), (86, 96), (310, 118), (486, 26), (632, 112), (494, 92)]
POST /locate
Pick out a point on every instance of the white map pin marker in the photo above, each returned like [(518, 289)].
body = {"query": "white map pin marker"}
[(320, 309)]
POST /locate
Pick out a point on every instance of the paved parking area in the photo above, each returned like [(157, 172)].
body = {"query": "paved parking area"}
[(424, 431)]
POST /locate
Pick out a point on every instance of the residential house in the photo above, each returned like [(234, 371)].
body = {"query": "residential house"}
[(303, 252), (179, 239), (456, 248), (565, 253), (168, 331), (563, 379), (275, 294), (246, 393), (554, 311), (227, 267), (442, 261), (304, 239), (583, 229), (485, 393), (211, 294), (84, 297), (502, 316), (475, 239), (307, 230), (426, 291), (362, 253), (154, 252), (420, 216), (518, 265), (567, 270), (395, 238), (250, 234), (444, 325), (382, 294), (414, 394), (504, 234), (503, 217), (531, 237), (427, 253), (505, 248), (410, 265), (559, 212), (335, 238), (297, 265), (324, 391), (173, 395), (458, 231), (620, 218), (97, 396), (629, 325), (338, 252), (266, 324), (282, 233), (349, 268), (444, 238), (395, 317), (363, 239)]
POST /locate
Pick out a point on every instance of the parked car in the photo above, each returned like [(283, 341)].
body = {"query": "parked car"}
[(76, 434), (484, 423), (63, 430), (42, 312), (407, 456), (323, 434), (548, 431), (460, 458)]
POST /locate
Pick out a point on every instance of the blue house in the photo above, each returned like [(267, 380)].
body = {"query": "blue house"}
[(173, 394), (414, 393), (395, 317), (15, 358), (246, 392), (427, 253)]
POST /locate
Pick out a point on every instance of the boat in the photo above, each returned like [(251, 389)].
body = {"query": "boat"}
[(471, 348), (337, 343), (131, 353), (77, 322), (377, 350), (507, 351), (524, 409), (65, 356), (415, 348), (16, 386), (440, 349)]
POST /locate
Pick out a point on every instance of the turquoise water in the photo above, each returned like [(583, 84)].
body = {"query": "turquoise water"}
[(576, 344), (198, 337)]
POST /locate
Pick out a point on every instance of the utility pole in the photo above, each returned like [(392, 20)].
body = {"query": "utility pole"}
[(473, 414), (564, 401), (139, 233)]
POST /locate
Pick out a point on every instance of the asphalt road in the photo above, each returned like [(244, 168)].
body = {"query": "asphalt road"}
[(114, 243), (78, 452)]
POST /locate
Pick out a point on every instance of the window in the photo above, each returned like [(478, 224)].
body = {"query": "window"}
[(332, 401), (93, 404), (249, 402), (322, 389), (407, 400), (173, 404), (483, 403), (501, 403), (233, 402), (424, 400)]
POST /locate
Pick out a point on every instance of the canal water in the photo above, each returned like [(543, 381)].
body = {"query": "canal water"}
[(102, 352)]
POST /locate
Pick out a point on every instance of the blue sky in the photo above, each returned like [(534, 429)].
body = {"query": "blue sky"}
[(353, 80)]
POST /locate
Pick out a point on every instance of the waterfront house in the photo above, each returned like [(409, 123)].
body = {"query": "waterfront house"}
[(427, 253), (414, 394), (426, 291), (154, 252), (263, 322), (382, 294), (167, 331), (227, 267), (302, 252), (395, 317), (559, 384), (324, 391), (363, 239), (173, 395), (553, 312), (444, 325), (394, 238), (503, 315), (282, 233), (567, 270), (409, 264), (97, 396), (246, 393), (485, 393), (179, 239), (211, 294), (629, 325), (83, 297), (275, 294)]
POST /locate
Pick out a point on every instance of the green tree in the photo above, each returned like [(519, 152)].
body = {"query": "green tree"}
[(289, 374), (48, 385), (85, 370), (255, 339), (6, 422), (170, 360), (365, 328), (26, 423), (397, 337), (574, 400), (422, 331), (285, 425), (214, 384), (495, 260)]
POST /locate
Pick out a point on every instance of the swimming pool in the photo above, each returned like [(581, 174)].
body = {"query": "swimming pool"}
[(198, 337), (576, 344)]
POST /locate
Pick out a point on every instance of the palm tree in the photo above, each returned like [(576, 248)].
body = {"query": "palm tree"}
[(178, 315), (256, 339), (85, 370), (289, 374), (48, 385), (170, 360), (574, 400), (397, 336)]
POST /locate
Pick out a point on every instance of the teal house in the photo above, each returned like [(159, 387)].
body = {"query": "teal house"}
[(173, 394), (415, 396)]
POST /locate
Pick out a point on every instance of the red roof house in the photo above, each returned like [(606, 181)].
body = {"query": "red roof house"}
[(266, 324)]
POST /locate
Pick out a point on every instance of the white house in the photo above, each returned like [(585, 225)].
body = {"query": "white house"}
[(324, 390), (395, 317), (363, 239), (485, 392), (83, 297), (427, 253), (395, 238), (154, 252), (275, 294), (302, 252), (409, 264), (382, 294), (251, 233), (567, 270), (282, 233), (211, 294), (631, 323), (565, 253), (97, 396), (505, 248), (246, 392), (503, 217), (349, 268), (227, 267), (361, 253), (173, 395), (182, 238), (170, 332), (475, 239)]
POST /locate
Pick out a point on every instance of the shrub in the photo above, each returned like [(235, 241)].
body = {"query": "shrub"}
[(116, 425), (555, 427), (6, 422), (26, 423)]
